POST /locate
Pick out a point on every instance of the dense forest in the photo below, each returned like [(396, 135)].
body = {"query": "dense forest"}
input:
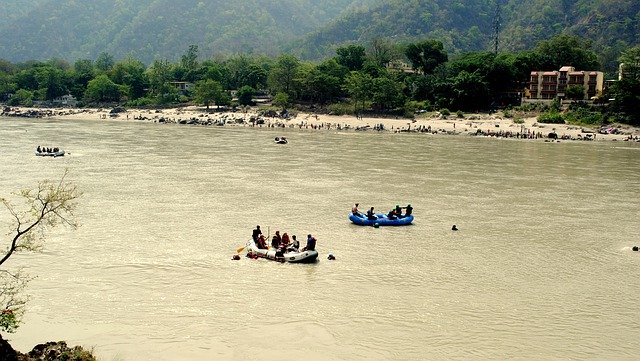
[(154, 29), (358, 78), (158, 29), (611, 25)]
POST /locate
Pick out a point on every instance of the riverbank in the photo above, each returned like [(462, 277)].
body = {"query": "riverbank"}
[(491, 125)]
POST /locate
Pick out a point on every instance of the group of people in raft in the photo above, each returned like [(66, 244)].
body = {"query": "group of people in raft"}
[(281, 243), (394, 213), (47, 150)]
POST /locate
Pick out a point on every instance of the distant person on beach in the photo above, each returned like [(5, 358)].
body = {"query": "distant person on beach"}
[(311, 243), (371, 215)]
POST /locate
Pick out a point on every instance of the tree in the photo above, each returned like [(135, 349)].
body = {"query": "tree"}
[(207, 91), (631, 60), (281, 100), (47, 206), (568, 50), (574, 92), (83, 72), (104, 62), (102, 89), (245, 95), (7, 86), (282, 77), (189, 60), (358, 85), (386, 93), (22, 97), (131, 72), (426, 55), (381, 52), (159, 75), (351, 56)]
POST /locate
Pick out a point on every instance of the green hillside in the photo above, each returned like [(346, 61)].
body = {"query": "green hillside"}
[(163, 29), (611, 25), (151, 29)]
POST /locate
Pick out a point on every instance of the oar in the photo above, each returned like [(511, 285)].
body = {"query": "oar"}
[(240, 249)]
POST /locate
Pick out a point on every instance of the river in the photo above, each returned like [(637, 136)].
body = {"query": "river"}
[(541, 267)]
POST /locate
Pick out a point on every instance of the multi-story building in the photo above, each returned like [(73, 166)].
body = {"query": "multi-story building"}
[(554, 84)]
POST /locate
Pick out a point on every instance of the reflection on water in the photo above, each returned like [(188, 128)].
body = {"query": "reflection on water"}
[(541, 266)]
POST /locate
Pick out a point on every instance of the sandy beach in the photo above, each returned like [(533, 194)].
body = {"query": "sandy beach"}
[(491, 125)]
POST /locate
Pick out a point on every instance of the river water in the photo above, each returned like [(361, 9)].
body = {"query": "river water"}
[(541, 267)]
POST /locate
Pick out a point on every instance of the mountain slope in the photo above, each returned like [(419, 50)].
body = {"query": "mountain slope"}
[(149, 29), (312, 29), (469, 25)]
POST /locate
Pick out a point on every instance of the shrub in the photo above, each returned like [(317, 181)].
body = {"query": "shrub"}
[(460, 114), (445, 112), (340, 108), (551, 118), (585, 116)]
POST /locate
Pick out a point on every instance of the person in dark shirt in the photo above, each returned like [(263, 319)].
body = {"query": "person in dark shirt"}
[(275, 240), (311, 243), (256, 233), (409, 210), (371, 215)]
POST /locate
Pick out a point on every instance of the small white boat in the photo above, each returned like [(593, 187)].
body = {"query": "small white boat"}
[(289, 256), (59, 153), (281, 140)]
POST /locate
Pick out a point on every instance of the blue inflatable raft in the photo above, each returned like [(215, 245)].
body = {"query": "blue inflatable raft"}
[(381, 220)]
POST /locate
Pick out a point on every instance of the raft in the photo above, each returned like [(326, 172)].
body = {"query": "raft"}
[(59, 153), (381, 220), (291, 256)]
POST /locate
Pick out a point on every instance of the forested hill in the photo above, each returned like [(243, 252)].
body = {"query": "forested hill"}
[(163, 29), (151, 29), (468, 25)]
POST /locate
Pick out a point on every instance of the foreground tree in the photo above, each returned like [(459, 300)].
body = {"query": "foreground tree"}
[(47, 206)]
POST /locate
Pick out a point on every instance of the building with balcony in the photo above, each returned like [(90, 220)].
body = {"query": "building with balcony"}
[(548, 85)]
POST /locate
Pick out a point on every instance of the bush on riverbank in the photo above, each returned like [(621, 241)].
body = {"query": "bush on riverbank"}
[(50, 351), (551, 117)]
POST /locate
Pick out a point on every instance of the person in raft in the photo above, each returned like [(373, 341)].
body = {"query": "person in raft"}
[(409, 210), (371, 215), (294, 246), (355, 210), (262, 242), (311, 243), (275, 241), (256, 233)]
